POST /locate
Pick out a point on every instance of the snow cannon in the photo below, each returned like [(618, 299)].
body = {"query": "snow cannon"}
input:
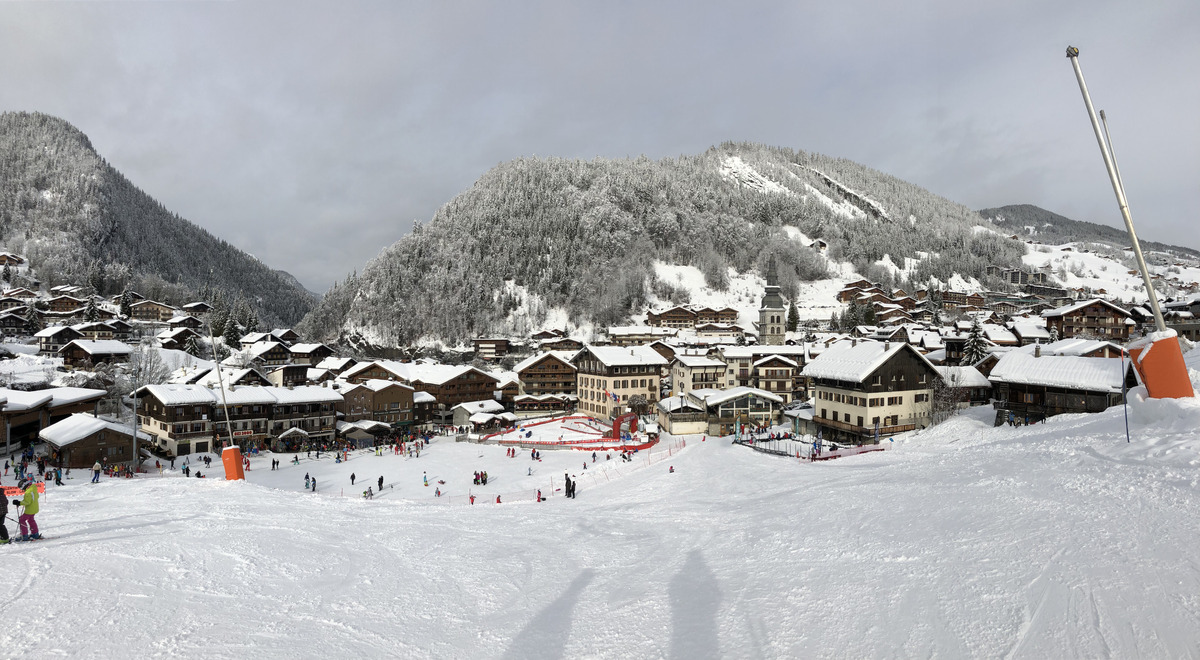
[(231, 457), (1159, 363)]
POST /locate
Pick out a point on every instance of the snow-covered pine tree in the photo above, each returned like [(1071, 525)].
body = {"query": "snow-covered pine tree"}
[(975, 349), (126, 304), (91, 313), (793, 317), (191, 346), (7, 274), (232, 334), (33, 319), (1053, 334)]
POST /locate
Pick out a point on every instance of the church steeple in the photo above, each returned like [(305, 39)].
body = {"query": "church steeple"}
[(771, 312)]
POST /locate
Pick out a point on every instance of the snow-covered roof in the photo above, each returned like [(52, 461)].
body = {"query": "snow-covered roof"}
[(19, 400), (307, 348), (564, 356), (263, 347), (790, 363), (179, 395), (53, 330), (334, 363), (423, 397), (717, 397), (255, 337), (1066, 371), (305, 394), (81, 425), (622, 356), (754, 352), (367, 425), (481, 418), (245, 396), (997, 334), (294, 431), (486, 405), (677, 403), (853, 363), (65, 396), (425, 372), (1072, 346), (1067, 309), (101, 346), (172, 333), (698, 361), (378, 384), (963, 377), (639, 330), (1030, 330)]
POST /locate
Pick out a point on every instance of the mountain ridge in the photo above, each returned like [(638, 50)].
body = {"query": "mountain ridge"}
[(79, 220)]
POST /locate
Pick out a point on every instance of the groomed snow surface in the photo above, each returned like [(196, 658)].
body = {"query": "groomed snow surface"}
[(1056, 540)]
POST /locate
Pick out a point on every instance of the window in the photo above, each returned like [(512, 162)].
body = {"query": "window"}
[(877, 380), (920, 398)]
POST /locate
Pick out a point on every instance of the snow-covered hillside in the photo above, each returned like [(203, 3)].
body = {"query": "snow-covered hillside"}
[(1047, 541)]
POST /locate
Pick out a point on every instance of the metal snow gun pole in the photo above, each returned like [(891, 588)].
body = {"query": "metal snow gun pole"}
[(1156, 357)]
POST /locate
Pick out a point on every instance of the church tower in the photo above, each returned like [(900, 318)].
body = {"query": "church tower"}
[(771, 313)]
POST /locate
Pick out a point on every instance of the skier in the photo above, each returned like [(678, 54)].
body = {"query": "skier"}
[(29, 504), (530, 473), (58, 477), (497, 499), (425, 479), (671, 470), (593, 457), (472, 499), (4, 516), (96, 472), (314, 487), (381, 482), (437, 492), (539, 495), (351, 478), (307, 480)]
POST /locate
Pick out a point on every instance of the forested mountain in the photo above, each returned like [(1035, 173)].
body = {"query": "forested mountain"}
[(1048, 227), (582, 236), (78, 220)]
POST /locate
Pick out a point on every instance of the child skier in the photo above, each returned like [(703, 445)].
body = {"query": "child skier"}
[(29, 504)]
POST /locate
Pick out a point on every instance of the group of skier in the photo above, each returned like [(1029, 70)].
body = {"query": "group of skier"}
[(28, 509)]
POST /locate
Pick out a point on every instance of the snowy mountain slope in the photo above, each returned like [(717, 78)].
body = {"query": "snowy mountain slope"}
[(1054, 540), (583, 238), (78, 220), (1030, 221)]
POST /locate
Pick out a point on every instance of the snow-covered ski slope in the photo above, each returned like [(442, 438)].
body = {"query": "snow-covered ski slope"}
[(1049, 541)]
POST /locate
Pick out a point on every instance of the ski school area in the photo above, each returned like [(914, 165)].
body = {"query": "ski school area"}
[(520, 463)]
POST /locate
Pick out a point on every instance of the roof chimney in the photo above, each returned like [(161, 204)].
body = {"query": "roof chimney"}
[(1037, 350), (887, 345), (854, 341)]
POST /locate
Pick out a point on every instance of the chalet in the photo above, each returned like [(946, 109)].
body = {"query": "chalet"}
[(150, 310), (999, 335), (10, 259), (310, 354), (197, 308), (491, 348), (337, 365), (546, 373), (1030, 333), (21, 293), (249, 411), (1032, 387), (227, 377), (252, 338), (11, 302), (288, 375), (508, 386), (561, 344), (719, 330), (538, 405), (480, 412), (13, 324), (674, 317), (378, 400), (425, 406), (24, 414), (865, 390), (88, 352), (637, 335), (664, 349), (82, 440), (449, 385), (176, 339), (609, 377), (1094, 318), (317, 376), (64, 304), (1080, 347), (184, 321), (776, 374), (543, 335), (308, 408), (695, 372), (94, 330), (742, 370), (121, 331), (52, 339), (285, 335), (269, 353), (178, 416)]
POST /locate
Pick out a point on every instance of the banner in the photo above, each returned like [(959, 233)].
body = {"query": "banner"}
[(13, 491)]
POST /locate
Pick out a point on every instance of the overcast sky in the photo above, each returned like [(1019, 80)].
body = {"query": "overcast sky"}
[(313, 134)]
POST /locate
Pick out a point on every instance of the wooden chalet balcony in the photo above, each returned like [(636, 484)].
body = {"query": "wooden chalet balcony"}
[(865, 430)]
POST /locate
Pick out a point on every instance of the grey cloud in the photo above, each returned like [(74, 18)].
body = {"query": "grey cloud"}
[(313, 134)]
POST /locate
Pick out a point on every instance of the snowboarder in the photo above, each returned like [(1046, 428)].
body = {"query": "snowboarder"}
[(29, 504), (314, 486), (351, 478), (593, 457), (497, 499), (539, 495), (58, 477), (425, 479), (96, 472), (671, 470), (307, 481), (381, 482)]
